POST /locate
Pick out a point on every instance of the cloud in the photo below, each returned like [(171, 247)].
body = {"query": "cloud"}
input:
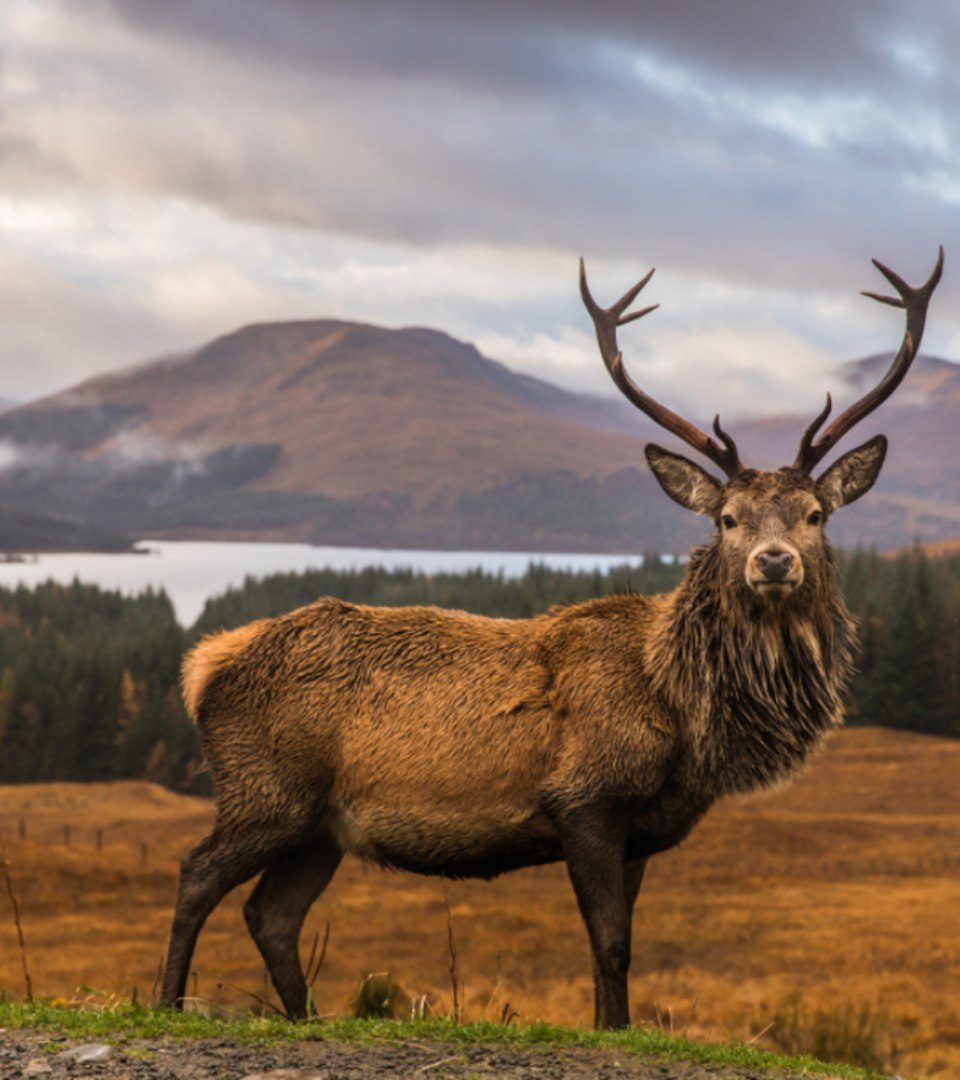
[(168, 170), (57, 331), (10, 455)]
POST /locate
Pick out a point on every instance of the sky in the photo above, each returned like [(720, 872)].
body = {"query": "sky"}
[(172, 170)]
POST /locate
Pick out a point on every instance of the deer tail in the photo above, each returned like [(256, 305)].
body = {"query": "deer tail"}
[(210, 656)]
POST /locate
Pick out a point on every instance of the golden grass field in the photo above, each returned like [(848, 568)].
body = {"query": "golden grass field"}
[(824, 917)]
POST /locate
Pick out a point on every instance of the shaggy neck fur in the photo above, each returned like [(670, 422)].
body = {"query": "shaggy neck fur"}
[(759, 685)]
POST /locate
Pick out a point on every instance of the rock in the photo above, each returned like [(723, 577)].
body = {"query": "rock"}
[(36, 1067), (285, 1074), (87, 1052)]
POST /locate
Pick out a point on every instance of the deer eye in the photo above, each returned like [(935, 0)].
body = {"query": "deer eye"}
[(728, 522), (815, 518)]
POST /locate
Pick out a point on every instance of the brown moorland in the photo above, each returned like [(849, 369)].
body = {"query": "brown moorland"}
[(822, 917), (937, 549)]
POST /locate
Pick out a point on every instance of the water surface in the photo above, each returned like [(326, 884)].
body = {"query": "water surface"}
[(193, 571)]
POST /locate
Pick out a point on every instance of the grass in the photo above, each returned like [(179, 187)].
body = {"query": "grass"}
[(130, 1022)]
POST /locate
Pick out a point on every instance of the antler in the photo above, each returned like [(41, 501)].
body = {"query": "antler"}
[(606, 321), (914, 302)]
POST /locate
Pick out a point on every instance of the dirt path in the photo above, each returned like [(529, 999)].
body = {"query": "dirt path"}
[(29, 1054)]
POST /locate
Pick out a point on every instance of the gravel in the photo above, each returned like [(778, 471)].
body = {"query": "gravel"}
[(36, 1054)]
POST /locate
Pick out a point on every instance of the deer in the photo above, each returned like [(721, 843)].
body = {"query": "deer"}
[(597, 734)]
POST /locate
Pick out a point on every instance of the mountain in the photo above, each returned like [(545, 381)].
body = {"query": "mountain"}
[(340, 433), (346, 433)]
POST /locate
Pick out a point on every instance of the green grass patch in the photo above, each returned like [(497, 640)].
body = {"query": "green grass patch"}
[(125, 1022)]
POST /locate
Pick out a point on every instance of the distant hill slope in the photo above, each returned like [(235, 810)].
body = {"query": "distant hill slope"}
[(358, 411), (347, 433)]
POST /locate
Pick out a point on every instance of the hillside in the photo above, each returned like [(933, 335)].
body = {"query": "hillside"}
[(354, 411), (341, 433), (347, 433), (938, 548)]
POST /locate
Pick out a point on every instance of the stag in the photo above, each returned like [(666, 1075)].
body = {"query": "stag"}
[(597, 734)]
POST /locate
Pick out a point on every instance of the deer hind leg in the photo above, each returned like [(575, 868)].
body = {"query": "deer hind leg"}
[(220, 862), (276, 910)]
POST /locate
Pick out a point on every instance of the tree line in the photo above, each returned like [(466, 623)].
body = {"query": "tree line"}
[(89, 678)]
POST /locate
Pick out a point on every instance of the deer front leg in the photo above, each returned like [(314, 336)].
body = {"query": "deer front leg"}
[(595, 863), (632, 879)]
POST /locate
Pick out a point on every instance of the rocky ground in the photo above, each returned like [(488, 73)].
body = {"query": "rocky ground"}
[(31, 1054)]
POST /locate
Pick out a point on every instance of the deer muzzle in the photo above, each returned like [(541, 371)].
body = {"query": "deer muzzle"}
[(774, 569)]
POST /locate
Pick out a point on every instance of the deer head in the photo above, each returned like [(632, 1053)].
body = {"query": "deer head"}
[(769, 523)]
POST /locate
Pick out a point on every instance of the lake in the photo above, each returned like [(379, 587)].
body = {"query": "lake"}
[(190, 572)]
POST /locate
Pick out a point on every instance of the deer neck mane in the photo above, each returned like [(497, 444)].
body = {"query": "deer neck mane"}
[(757, 687)]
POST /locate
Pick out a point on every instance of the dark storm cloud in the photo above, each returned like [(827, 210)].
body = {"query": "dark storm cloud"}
[(807, 43), (738, 133)]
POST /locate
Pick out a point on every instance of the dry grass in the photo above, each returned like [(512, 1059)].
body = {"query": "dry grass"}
[(824, 916)]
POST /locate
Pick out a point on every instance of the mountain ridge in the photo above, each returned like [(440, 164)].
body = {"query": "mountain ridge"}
[(339, 432)]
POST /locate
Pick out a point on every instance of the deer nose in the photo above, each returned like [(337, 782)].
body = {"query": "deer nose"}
[(774, 565)]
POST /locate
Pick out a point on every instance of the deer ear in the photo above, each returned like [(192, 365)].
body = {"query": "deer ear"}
[(685, 482), (852, 475)]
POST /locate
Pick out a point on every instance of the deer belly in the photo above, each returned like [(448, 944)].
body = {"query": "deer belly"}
[(450, 841)]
